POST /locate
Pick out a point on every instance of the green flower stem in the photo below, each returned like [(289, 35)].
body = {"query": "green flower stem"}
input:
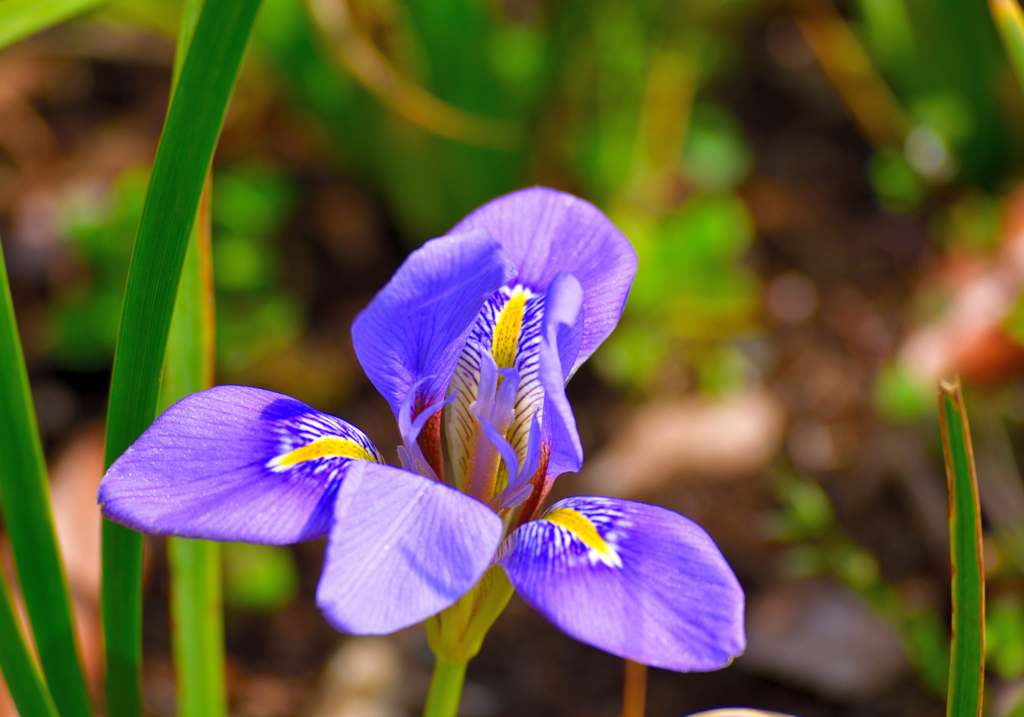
[(445, 689)]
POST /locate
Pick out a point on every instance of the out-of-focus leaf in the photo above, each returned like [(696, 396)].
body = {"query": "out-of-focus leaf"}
[(898, 187), (900, 397), (23, 18), (716, 158), (1010, 22), (259, 578), (1004, 636), (967, 659)]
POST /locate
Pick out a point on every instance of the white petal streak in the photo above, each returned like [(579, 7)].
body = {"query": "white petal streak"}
[(462, 426)]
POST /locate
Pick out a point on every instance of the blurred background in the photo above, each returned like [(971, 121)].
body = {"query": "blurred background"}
[(826, 202)]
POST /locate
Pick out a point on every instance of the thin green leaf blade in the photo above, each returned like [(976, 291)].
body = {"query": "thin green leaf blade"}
[(194, 121), (25, 499), (967, 658), (23, 18), (23, 679)]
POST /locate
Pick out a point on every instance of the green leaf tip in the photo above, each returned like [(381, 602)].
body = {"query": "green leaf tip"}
[(967, 657)]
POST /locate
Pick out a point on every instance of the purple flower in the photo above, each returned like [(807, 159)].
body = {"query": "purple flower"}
[(479, 330)]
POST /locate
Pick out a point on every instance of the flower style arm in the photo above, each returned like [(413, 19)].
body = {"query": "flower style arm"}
[(235, 463), (635, 580), (560, 346)]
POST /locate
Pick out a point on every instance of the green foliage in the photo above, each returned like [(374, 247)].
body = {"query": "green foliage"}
[(690, 287), (900, 397), (445, 48), (82, 320), (254, 316), (1004, 636), (23, 18), (716, 158), (806, 522), (897, 186), (259, 578)]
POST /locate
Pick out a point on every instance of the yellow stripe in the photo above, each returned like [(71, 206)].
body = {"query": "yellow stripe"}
[(580, 526), (505, 342), (324, 448)]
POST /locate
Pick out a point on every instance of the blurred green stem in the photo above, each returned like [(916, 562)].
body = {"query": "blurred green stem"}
[(445, 689)]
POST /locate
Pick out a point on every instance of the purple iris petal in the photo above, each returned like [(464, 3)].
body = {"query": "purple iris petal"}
[(635, 580), (545, 232), (402, 548), (562, 334), (211, 466), (415, 327)]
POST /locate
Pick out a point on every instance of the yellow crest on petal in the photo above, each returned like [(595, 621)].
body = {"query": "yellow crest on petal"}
[(327, 447), (581, 527), (505, 341)]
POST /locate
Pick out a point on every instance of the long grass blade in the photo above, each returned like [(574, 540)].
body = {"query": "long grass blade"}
[(1009, 20), (25, 499), (967, 658), (197, 620), (23, 18), (194, 121), (23, 679)]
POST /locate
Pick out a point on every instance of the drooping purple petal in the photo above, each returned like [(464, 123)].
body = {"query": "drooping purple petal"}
[(546, 232), (402, 548), (235, 463), (562, 335), (415, 327), (635, 580)]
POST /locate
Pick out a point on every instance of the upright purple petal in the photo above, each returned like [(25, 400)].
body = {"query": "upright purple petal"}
[(635, 580), (415, 327), (545, 232), (402, 548), (235, 463), (562, 335)]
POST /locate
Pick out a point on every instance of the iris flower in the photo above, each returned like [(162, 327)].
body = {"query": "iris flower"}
[(478, 330)]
